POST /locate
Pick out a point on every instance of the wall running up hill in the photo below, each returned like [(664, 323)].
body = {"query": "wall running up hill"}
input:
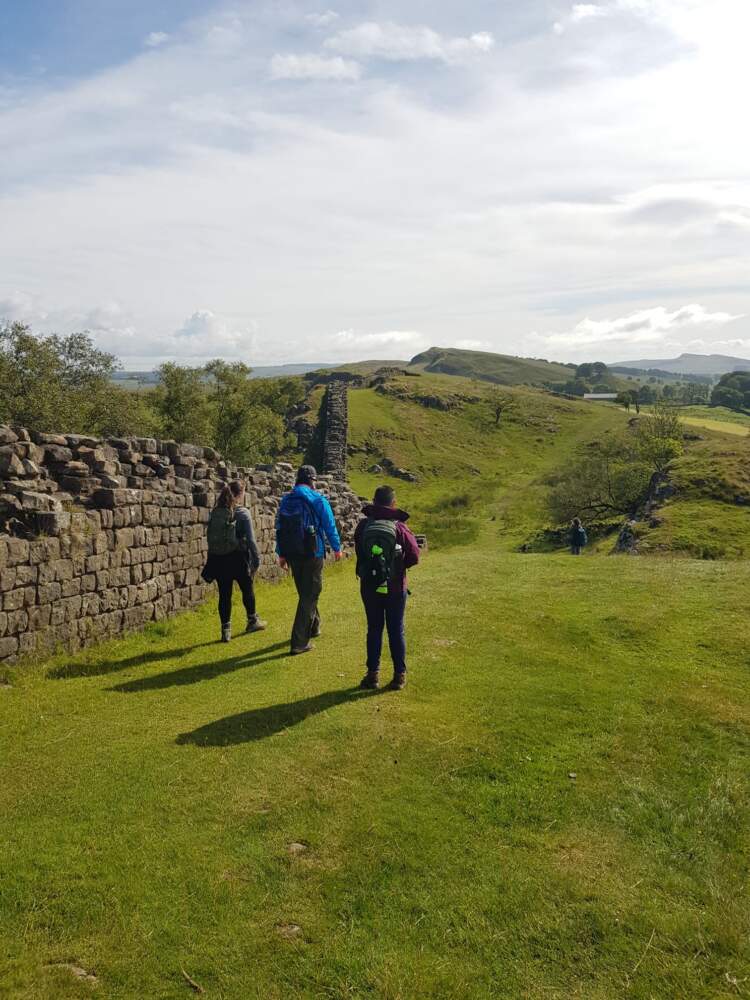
[(100, 537), (336, 429)]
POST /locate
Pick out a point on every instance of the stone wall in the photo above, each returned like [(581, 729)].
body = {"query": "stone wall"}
[(100, 537), (336, 429)]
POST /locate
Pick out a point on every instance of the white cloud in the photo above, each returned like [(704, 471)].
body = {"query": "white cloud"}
[(462, 207), (397, 42), (313, 67), (359, 345), (155, 39), (644, 326), (324, 19), (206, 335), (583, 11), (469, 344)]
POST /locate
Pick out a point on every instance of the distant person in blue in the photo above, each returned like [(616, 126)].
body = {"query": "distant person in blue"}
[(304, 524), (578, 536)]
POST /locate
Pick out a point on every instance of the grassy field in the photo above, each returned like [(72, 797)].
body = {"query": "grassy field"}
[(716, 418), (557, 806), (467, 466)]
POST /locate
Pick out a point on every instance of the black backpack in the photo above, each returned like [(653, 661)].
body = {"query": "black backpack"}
[(222, 532), (296, 533), (376, 564)]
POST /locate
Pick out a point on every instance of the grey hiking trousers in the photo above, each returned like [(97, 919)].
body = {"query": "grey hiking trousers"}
[(308, 579)]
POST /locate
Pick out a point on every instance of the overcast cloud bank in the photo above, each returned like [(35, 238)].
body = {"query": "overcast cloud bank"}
[(292, 183)]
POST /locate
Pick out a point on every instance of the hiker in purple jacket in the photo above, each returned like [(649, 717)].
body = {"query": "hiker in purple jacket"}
[(385, 550)]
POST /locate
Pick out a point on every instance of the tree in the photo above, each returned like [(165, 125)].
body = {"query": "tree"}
[(53, 382), (181, 403), (603, 481), (659, 437), (248, 414), (732, 391), (624, 399), (499, 404)]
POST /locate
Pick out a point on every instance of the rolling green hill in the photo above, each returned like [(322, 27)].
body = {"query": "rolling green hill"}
[(440, 429), (501, 368)]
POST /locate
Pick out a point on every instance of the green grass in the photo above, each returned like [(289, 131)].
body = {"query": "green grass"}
[(716, 418), (469, 470), (151, 788)]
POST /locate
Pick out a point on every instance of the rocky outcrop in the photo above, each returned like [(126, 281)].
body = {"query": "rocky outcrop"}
[(99, 537)]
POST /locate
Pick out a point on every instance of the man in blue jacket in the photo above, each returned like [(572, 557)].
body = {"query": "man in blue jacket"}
[(303, 525)]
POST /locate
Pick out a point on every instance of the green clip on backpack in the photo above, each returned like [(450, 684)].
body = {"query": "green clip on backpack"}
[(222, 532), (378, 555)]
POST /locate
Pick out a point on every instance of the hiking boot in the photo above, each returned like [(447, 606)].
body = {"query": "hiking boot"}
[(256, 624), (398, 683), (226, 633), (371, 681), (303, 649)]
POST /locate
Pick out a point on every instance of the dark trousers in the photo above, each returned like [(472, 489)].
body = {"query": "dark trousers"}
[(308, 579), (234, 569), (575, 549), (385, 610)]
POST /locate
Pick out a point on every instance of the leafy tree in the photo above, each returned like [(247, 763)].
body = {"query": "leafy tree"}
[(603, 481), (53, 382), (181, 404), (248, 414), (733, 391), (499, 404), (659, 437)]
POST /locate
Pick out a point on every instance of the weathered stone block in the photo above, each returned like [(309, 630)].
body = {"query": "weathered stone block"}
[(21, 597), (49, 592), (8, 647), (39, 616), (43, 550), (11, 465)]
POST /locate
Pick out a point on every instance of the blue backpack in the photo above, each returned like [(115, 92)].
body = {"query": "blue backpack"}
[(296, 527)]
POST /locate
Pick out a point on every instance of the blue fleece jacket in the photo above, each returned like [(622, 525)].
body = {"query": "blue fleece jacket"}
[(325, 524)]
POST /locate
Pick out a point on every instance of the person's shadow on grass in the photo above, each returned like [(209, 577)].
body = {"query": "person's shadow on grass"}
[(260, 723), (202, 671), (97, 668)]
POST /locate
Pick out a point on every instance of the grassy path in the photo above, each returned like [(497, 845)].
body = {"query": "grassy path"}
[(557, 806)]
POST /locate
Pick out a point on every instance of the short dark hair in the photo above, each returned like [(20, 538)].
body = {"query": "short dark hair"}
[(306, 475), (384, 496)]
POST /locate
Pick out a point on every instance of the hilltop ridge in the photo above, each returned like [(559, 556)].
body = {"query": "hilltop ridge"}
[(691, 364)]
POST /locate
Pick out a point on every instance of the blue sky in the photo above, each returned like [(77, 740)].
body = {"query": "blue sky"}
[(287, 181)]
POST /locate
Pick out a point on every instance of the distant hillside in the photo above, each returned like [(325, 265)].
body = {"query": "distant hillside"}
[(691, 364), (130, 379), (501, 368)]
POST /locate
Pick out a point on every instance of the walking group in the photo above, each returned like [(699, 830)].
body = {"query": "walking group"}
[(385, 549)]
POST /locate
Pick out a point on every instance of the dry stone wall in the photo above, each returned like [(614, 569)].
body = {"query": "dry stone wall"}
[(336, 429), (101, 537)]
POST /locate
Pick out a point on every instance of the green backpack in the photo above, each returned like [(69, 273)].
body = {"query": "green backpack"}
[(376, 564), (222, 532)]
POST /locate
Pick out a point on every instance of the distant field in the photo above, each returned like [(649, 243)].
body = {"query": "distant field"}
[(716, 418)]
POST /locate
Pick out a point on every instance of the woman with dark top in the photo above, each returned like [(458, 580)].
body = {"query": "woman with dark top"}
[(233, 556), (577, 536)]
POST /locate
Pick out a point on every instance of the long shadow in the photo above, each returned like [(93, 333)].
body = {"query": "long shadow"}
[(260, 723), (98, 669), (201, 671)]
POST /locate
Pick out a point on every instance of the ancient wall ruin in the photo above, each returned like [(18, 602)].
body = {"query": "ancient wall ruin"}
[(100, 537), (336, 429)]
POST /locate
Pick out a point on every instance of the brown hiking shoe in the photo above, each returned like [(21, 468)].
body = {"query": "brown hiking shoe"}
[(371, 681), (303, 649), (398, 683)]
